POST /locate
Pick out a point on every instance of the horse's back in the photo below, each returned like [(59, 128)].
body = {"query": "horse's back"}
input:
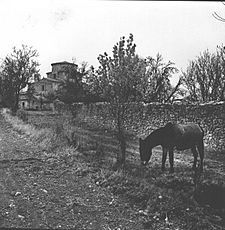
[(190, 129), (184, 136)]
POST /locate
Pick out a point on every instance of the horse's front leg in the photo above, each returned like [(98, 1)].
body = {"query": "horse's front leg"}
[(171, 159), (201, 153), (195, 154), (164, 158)]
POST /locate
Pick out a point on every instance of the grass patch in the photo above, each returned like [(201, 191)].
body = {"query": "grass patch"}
[(44, 138), (17, 123), (157, 196), (54, 142)]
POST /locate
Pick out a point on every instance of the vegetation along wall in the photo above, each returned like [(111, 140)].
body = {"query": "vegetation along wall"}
[(143, 118)]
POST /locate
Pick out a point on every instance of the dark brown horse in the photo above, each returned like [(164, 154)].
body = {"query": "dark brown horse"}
[(171, 136)]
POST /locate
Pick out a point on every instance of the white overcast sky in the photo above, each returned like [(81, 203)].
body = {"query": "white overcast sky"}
[(64, 29)]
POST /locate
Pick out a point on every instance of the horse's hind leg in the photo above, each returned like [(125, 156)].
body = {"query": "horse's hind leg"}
[(164, 158), (195, 154), (200, 147), (171, 159)]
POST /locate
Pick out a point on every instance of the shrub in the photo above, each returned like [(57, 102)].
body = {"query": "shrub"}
[(22, 114)]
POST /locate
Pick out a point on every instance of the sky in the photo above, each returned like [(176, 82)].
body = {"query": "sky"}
[(64, 30)]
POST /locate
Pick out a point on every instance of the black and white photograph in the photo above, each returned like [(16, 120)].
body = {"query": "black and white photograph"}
[(112, 115)]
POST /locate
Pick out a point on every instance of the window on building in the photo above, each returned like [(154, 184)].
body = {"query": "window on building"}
[(54, 75), (42, 88)]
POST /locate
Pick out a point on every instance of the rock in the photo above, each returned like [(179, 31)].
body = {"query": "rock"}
[(17, 193), (43, 190), (21, 217)]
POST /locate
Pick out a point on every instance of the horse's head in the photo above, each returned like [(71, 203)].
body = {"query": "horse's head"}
[(145, 153)]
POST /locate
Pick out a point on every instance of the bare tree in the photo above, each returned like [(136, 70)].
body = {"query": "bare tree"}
[(156, 84), (218, 17), (205, 77)]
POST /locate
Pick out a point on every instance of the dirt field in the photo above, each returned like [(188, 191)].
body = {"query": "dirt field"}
[(68, 188)]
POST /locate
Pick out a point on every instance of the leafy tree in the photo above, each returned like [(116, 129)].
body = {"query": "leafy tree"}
[(204, 78), (72, 90), (51, 96), (18, 69), (7, 91), (125, 78), (117, 81)]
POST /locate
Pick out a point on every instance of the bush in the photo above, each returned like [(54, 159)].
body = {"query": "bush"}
[(22, 114)]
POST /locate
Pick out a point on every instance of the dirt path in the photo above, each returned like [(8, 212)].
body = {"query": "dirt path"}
[(38, 193)]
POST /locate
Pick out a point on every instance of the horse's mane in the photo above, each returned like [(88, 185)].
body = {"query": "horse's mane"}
[(157, 135), (154, 134)]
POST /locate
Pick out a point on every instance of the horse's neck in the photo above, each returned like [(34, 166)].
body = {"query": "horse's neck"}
[(155, 138)]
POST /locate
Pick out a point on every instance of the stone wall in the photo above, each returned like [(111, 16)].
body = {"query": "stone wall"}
[(143, 118)]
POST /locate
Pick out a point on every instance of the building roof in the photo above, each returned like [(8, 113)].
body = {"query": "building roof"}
[(63, 63), (49, 80), (53, 80)]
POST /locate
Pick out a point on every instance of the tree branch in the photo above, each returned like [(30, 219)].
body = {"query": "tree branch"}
[(217, 17), (174, 90)]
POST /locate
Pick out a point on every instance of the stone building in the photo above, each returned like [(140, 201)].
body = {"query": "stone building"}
[(59, 70), (45, 86)]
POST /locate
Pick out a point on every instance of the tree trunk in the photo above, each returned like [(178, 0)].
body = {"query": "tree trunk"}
[(73, 110), (121, 155), (15, 105)]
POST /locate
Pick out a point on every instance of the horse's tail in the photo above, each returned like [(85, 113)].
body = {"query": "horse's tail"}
[(201, 150)]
